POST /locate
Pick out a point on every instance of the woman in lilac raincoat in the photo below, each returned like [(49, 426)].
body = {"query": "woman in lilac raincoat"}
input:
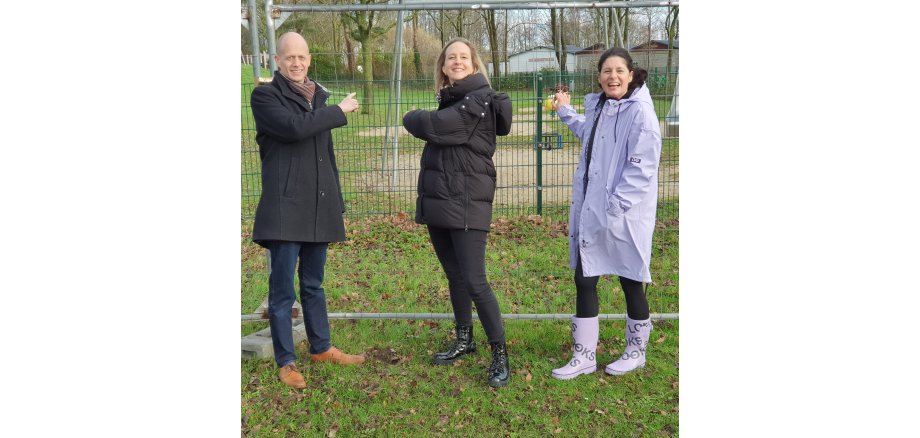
[(614, 197)]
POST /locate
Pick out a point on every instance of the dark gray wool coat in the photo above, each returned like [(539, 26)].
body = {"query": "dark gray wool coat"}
[(301, 196), (456, 184)]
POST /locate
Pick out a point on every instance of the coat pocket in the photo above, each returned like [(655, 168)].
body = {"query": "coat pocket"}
[(619, 228), (292, 176)]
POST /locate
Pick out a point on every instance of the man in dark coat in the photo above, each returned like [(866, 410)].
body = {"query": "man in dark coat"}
[(301, 207)]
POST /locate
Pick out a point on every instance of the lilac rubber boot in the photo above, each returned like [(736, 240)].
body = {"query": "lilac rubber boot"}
[(637, 333), (584, 361)]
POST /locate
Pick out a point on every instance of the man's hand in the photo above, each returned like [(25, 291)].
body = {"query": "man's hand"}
[(349, 104)]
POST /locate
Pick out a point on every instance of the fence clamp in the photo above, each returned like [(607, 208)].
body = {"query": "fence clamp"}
[(549, 142)]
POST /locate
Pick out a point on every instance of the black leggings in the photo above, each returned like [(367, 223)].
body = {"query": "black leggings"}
[(586, 303), (463, 256)]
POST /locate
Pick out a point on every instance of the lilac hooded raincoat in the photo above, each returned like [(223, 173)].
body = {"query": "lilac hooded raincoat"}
[(611, 225)]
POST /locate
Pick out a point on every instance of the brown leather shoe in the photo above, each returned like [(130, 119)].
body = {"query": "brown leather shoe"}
[(291, 377), (335, 355)]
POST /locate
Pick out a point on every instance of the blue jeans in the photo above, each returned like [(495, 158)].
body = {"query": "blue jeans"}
[(312, 297)]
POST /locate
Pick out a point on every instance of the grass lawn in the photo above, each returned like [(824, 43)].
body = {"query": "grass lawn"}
[(387, 265)]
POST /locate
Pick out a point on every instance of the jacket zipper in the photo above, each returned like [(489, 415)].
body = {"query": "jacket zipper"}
[(466, 199)]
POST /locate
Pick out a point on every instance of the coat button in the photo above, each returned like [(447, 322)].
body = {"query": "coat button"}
[(322, 193), (462, 106), (482, 114), (321, 158)]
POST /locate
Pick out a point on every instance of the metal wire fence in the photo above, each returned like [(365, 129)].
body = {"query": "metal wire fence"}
[(378, 160)]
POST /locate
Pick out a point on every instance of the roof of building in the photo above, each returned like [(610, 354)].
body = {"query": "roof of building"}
[(598, 47), (570, 49), (661, 42)]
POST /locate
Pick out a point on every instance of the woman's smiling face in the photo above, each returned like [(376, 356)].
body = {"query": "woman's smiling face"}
[(458, 62), (614, 77)]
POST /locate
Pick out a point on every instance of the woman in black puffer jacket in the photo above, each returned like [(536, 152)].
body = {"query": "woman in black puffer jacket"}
[(456, 186)]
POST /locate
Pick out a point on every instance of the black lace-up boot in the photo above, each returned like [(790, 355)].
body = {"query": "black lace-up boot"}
[(499, 372), (465, 344)]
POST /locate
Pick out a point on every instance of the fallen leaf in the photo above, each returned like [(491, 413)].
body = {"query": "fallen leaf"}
[(660, 340)]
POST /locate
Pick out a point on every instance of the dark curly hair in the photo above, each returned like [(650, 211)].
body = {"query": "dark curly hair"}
[(639, 74)]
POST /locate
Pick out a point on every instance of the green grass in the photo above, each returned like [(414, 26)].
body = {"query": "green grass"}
[(387, 265)]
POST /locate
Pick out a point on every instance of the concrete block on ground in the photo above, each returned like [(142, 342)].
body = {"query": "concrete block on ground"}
[(263, 309), (669, 129), (258, 345)]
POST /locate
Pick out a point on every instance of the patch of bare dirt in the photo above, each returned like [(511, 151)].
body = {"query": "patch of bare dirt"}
[(517, 177)]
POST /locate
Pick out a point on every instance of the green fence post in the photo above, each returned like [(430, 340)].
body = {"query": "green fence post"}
[(537, 142)]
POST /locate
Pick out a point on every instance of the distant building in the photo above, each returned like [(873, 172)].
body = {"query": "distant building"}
[(587, 57), (653, 55), (532, 60)]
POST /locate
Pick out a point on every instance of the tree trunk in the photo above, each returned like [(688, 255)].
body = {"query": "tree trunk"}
[(672, 32), (562, 53), (367, 98), (554, 34), (416, 56), (492, 28), (625, 21), (505, 45), (349, 49), (441, 29), (460, 24)]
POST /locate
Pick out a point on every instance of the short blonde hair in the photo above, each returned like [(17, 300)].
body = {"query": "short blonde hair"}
[(440, 78)]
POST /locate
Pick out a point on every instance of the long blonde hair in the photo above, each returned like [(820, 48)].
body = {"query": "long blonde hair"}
[(440, 79)]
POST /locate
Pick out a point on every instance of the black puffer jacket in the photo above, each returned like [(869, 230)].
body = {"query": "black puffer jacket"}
[(456, 184)]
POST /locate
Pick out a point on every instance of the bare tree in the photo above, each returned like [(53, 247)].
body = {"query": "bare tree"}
[(624, 23), (350, 60), (558, 39), (367, 29), (457, 23), (435, 23), (671, 27), (492, 30)]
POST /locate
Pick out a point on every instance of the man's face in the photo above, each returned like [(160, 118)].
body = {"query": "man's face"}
[(293, 59)]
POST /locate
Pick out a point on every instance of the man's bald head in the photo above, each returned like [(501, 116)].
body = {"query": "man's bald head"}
[(293, 58), (291, 38)]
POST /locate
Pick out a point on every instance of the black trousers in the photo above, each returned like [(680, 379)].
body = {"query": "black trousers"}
[(463, 256), (586, 302)]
